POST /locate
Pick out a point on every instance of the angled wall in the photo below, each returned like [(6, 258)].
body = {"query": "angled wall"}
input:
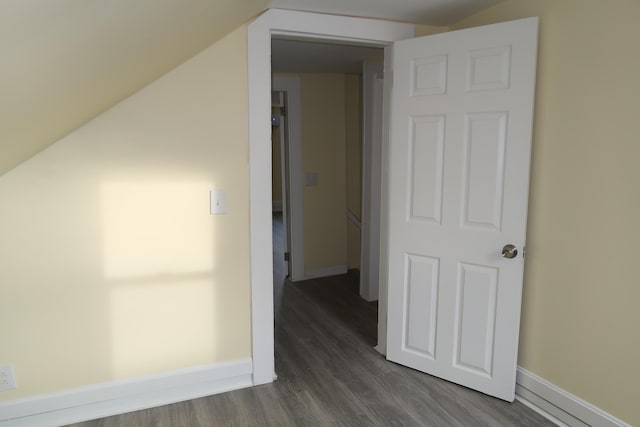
[(64, 62), (111, 266)]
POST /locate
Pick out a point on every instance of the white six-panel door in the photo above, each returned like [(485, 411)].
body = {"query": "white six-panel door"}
[(460, 143)]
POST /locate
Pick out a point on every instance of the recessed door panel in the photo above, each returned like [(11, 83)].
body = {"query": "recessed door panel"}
[(429, 76), (484, 156), (421, 290), (475, 318), (489, 69), (426, 150)]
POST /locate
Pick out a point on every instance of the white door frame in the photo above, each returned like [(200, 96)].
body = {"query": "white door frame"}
[(372, 100), (301, 25), (381, 347), (291, 85)]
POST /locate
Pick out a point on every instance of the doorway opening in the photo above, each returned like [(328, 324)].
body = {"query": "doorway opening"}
[(300, 26), (326, 165)]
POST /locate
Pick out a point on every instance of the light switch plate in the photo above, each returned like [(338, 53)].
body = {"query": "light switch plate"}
[(218, 202), (311, 179)]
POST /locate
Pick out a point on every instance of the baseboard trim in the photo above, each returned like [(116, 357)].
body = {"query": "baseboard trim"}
[(276, 206), (325, 272), (559, 405), (354, 219), (118, 397)]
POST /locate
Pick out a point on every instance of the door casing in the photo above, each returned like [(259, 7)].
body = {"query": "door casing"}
[(295, 225), (302, 26), (371, 178)]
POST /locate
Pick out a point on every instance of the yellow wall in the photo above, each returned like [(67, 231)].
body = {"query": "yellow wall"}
[(324, 152), (64, 62), (108, 253), (332, 148), (580, 321), (110, 265), (353, 129), (425, 30)]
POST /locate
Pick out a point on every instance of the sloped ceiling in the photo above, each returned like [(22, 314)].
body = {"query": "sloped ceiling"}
[(63, 62)]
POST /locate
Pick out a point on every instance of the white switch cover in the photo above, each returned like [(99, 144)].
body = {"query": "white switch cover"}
[(311, 179), (218, 202)]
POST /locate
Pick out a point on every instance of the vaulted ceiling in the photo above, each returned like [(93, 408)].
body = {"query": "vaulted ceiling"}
[(63, 62)]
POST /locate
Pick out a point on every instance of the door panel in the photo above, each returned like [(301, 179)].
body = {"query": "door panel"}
[(475, 318), (483, 170), (426, 167), (461, 117), (421, 282), (428, 75)]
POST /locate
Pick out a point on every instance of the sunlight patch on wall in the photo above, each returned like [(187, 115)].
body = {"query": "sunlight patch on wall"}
[(156, 228), (159, 264)]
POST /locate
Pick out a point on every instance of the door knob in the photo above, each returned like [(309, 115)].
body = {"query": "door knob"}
[(509, 251)]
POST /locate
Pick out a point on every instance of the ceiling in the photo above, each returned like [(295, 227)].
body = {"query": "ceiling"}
[(430, 12), (290, 56), (63, 62)]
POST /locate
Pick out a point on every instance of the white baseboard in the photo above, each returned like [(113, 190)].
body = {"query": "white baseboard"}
[(118, 397), (325, 272), (276, 206), (559, 405), (354, 219)]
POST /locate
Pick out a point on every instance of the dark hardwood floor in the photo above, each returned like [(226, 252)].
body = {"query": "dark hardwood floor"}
[(329, 374)]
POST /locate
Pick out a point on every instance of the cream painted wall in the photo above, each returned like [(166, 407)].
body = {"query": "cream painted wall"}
[(110, 265), (425, 30), (580, 316), (353, 141), (64, 62), (331, 147), (324, 152)]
